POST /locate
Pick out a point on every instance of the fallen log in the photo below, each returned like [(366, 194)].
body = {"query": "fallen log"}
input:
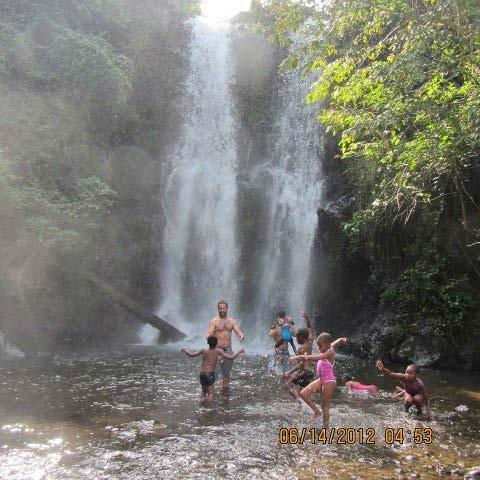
[(168, 333)]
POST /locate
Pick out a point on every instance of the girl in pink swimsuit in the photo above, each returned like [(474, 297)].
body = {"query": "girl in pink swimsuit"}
[(326, 382), (325, 369)]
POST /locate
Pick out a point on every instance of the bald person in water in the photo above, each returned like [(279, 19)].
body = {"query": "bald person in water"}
[(415, 392), (222, 327)]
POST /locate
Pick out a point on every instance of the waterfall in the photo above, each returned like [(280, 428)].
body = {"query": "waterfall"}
[(291, 179), (199, 242), (295, 195), (201, 256)]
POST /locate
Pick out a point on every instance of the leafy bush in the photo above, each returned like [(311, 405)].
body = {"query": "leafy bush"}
[(399, 82), (424, 296)]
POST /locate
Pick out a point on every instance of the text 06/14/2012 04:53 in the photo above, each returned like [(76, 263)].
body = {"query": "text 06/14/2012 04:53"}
[(352, 436)]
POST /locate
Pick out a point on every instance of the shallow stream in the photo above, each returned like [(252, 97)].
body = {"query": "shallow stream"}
[(137, 414)]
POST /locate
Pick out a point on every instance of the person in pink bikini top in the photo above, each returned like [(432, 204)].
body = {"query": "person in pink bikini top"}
[(354, 386), (326, 382)]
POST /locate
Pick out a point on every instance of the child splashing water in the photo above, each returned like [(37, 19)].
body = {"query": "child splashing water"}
[(303, 373), (326, 382), (209, 362), (415, 392)]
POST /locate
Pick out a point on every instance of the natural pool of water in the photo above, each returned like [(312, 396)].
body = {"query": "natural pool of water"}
[(136, 413)]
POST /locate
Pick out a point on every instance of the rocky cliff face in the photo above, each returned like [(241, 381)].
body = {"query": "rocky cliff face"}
[(345, 282), (346, 286), (44, 303)]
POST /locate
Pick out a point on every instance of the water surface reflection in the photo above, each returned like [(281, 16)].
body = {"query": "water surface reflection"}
[(137, 414)]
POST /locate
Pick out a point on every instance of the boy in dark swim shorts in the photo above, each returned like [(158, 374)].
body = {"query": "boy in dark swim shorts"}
[(210, 356), (302, 374)]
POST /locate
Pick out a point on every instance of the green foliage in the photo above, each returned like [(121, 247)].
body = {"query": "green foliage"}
[(257, 107), (81, 67), (67, 70), (285, 15), (65, 223), (80, 80), (398, 83), (190, 8), (423, 296)]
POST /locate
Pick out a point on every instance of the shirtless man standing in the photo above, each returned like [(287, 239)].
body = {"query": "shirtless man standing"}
[(222, 327)]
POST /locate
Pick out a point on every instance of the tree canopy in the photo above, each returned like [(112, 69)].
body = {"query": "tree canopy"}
[(398, 86)]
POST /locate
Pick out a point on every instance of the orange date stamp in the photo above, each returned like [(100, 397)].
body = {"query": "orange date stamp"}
[(352, 436)]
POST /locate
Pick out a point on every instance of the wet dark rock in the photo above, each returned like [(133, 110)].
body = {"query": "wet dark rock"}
[(345, 287), (445, 470), (71, 458), (441, 470), (419, 350), (123, 456), (338, 279), (375, 334)]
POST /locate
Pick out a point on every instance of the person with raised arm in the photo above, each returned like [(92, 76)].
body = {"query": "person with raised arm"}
[(303, 373), (326, 382), (209, 362), (282, 332), (415, 392)]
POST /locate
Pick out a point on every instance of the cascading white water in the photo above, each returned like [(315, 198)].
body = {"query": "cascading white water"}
[(200, 250), (294, 192), (199, 244)]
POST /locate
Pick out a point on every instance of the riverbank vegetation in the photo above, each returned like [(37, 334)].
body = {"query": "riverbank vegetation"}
[(398, 88)]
